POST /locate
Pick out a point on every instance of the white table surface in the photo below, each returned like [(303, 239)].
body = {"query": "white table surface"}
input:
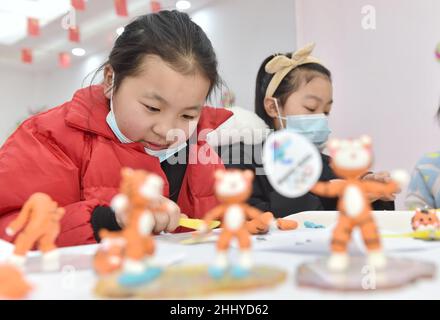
[(71, 284)]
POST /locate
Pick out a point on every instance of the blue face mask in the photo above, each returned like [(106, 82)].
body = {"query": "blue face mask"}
[(312, 126), (162, 155)]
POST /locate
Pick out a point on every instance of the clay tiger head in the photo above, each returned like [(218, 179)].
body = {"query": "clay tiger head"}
[(233, 186), (425, 219), (350, 158)]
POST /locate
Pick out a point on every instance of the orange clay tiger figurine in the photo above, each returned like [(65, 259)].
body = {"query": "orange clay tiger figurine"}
[(39, 223), (425, 219), (140, 196), (232, 188), (350, 160)]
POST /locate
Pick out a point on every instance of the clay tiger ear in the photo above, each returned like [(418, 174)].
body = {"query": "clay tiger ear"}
[(248, 175), (366, 140), (333, 144), (219, 174)]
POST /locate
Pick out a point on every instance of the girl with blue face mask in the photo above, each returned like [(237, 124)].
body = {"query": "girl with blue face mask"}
[(294, 91)]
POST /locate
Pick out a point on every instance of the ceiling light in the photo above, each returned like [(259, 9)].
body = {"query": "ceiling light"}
[(183, 5), (79, 52)]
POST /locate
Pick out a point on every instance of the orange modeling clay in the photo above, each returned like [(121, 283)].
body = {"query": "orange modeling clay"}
[(38, 223), (351, 159), (266, 221), (12, 283)]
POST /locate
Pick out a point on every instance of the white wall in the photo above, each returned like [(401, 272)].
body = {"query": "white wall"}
[(244, 33), (61, 84), (386, 81), (18, 90), (23, 91)]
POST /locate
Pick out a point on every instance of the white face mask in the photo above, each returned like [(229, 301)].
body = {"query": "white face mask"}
[(162, 155)]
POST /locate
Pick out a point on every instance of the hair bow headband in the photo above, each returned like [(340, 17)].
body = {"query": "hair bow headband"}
[(281, 65)]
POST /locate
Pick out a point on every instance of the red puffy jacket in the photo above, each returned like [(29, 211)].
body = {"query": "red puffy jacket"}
[(70, 153)]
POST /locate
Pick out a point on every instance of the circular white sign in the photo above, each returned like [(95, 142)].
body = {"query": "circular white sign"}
[(292, 163)]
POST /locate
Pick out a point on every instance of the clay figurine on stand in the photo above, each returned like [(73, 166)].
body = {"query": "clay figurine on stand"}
[(124, 261), (350, 160), (141, 195), (232, 188), (38, 223)]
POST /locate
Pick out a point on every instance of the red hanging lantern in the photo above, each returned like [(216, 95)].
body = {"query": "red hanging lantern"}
[(79, 5), (121, 8), (33, 27), (74, 34), (26, 55), (64, 60), (155, 6)]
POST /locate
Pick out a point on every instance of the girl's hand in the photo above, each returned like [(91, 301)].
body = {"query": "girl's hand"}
[(164, 221), (167, 221), (382, 177)]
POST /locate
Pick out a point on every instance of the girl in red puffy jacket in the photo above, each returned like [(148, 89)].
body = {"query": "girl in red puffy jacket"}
[(147, 114)]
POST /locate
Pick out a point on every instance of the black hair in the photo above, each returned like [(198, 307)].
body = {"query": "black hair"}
[(172, 36), (291, 83)]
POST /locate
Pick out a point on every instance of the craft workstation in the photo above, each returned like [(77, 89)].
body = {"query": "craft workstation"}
[(284, 250), (237, 251)]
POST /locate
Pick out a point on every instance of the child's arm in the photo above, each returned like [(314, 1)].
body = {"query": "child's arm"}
[(419, 194), (377, 189), (330, 189)]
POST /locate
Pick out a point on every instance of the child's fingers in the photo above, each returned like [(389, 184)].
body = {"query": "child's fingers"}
[(379, 177), (173, 223), (172, 206), (162, 220), (384, 175)]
